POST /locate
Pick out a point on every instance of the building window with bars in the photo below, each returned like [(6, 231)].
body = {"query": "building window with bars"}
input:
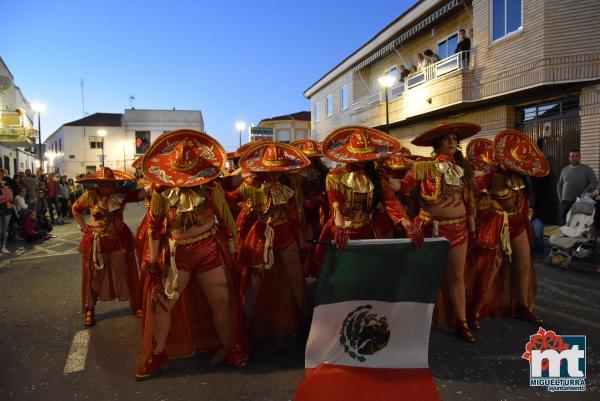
[(96, 142)]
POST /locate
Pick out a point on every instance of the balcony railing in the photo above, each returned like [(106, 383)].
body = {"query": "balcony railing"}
[(450, 64), (16, 129)]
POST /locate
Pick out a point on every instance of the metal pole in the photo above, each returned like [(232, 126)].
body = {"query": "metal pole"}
[(124, 166), (240, 139), (102, 152), (40, 140), (387, 117)]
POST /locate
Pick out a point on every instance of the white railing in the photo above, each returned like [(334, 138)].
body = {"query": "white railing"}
[(450, 64), (374, 98)]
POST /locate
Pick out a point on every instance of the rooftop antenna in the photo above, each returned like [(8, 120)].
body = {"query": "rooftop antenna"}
[(82, 100), (131, 100)]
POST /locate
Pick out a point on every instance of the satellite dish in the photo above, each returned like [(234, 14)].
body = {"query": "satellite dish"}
[(5, 83)]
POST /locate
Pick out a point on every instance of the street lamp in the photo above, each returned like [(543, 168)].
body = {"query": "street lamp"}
[(102, 133), (240, 125), (386, 82), (124, 145), (39, 108)]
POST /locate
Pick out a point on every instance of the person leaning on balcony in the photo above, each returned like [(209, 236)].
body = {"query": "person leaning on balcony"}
[(412, 72), (431, 57), (423, 62), (575, 179), (464, 43), (404, 72)]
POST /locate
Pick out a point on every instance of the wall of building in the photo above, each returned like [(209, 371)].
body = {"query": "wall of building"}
[(159, 121), (589, 113), (293, 130)]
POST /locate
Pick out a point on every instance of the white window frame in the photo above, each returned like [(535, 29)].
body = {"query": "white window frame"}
[(507, 35), (347, 97), (96, 141), (446, 40), (329, 105), (317, 116)]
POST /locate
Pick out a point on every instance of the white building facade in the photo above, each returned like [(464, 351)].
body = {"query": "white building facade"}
[(77, 147)]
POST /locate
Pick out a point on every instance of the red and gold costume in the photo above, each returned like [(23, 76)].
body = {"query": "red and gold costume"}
[(268, 224), (502, 215), (396, 167), (315, 206), (109, 268), (351, 191), (181, 164), (443, 186)]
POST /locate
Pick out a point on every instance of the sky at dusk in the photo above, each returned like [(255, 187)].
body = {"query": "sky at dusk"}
[(233, 60)]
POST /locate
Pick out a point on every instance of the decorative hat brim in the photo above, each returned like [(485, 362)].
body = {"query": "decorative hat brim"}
[(253, 161), (533, 163), (461, 130), (336, 146)]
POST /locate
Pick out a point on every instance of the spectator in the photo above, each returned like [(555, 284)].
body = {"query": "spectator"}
[(63, 195), (423, 62), (31, 233), (403, 72), (31, 184), (464, 43), (575, 179), (412, 72), (52, 199), (6, 211), (41, 206), (20, 204), (9, 182), (537, 246), (431, 57)]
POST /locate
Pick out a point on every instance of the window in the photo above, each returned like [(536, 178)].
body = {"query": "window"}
[(142, 141), (344, 97), (300, 134), (96, 142), (507, 17), (59, 144), (283, 136), (317, 111), (329, 106), (446, 47)]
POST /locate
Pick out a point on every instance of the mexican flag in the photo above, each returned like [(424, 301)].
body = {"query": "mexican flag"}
[(369, 335)]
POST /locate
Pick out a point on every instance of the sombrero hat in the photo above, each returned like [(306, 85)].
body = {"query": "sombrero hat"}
[(309, 147), (398, 161), (271, 157), (461, 130), (233, 155), (355, 143), (516, 152), (480, 152), (183, 158), (105, 174), (137, 163)]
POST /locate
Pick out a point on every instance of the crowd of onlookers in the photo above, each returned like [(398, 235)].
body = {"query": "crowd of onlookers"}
[(428, 57), (30, 205)]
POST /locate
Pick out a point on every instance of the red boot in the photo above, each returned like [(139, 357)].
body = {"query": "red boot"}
[(525, 313), (89, 318), (462, 330), (152, 366)]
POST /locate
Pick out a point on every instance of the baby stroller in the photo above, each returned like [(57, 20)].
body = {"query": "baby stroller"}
[(577, 237)]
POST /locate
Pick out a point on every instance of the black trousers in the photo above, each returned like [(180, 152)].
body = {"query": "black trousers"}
[(563, 208)]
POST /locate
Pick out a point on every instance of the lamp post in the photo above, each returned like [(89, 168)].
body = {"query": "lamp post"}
[(386, 82), (240, 125), (39, 108), (102, 133)]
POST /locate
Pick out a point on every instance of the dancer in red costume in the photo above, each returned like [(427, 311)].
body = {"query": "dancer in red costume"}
[(191, 296), (358, 190), (445, 185), (109, 268), (272, 284), (504, 275), (314, 197)]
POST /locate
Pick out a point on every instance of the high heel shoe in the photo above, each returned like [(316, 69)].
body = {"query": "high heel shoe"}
[(89, 318), (525, 313), (474, 322), (153, 365), (462, 330), (219, 356)]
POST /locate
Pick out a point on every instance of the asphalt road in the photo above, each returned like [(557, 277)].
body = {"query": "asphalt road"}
[(40, 316)]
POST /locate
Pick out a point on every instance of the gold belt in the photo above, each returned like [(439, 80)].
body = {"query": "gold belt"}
[(196, 238), (446, 222)]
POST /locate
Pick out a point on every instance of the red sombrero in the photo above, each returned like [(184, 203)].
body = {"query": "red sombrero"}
[(480, 152), (137, 163), (309, 147), (272, 156), (461, 130), (398, 161), (355, 143), (183, 158), (233, 155), (106, 174), (516, 152)]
